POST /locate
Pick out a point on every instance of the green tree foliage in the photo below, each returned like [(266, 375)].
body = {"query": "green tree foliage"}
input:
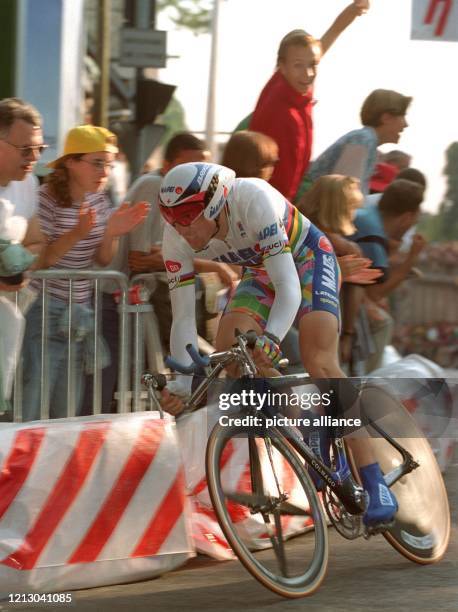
[(192, 14), (449, 207)]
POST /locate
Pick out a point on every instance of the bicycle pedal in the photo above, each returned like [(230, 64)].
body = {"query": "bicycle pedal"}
[(372, 530)]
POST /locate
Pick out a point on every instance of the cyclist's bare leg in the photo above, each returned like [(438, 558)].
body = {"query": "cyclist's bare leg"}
[(318, 337), (319, 340)]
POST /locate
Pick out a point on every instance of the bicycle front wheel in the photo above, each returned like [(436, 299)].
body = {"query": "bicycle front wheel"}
[(262, 496)]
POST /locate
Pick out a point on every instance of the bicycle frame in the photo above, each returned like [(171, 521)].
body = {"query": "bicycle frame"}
[(350, 494)]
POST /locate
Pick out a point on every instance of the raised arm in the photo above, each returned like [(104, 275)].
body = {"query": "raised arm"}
[(344, 19)]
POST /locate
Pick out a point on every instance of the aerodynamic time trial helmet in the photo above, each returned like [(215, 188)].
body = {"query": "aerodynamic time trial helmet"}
[(192, 189)]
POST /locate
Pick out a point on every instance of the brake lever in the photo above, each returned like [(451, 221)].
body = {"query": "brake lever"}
[(243, 341), (154, 382)]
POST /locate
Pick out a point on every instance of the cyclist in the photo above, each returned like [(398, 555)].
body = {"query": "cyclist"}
[(245, 221)]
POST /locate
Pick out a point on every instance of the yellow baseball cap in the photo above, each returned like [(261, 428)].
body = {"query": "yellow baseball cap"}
[(87, 139)]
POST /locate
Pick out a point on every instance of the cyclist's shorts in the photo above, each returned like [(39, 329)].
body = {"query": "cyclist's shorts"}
[(319, 276)]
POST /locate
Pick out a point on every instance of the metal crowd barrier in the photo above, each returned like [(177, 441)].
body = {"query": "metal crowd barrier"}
[(139, 342), (144, 330)]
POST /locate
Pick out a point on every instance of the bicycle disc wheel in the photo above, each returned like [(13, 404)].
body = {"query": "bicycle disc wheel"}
[(421, 530), (262, 495)]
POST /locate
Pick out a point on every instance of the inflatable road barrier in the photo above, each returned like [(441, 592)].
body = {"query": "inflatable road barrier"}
[(432, 399), (90, 501), (208, 537)]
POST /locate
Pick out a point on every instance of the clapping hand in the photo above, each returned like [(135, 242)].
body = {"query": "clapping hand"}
[(126, 217), (86, 221), (357, 270)]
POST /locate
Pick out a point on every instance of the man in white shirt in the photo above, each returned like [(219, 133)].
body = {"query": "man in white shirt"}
[(21, 144)]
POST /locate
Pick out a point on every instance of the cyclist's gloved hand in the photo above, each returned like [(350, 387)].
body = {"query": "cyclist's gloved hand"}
[(270, 346), (171, 403)]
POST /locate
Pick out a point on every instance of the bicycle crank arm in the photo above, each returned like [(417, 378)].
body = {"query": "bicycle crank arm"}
[(266, 504)]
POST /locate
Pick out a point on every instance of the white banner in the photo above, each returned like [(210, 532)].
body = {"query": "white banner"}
[(435, 20)]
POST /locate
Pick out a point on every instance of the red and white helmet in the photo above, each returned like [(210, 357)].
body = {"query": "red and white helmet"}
[(192, 189)]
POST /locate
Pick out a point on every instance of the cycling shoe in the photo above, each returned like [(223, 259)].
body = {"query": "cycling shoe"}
[(382, 503)]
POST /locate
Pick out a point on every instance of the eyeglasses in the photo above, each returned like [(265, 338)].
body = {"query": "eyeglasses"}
[(184, 214), (27, 150), (99, 164)]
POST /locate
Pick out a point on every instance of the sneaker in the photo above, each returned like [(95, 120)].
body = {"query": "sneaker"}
[(382, 504)]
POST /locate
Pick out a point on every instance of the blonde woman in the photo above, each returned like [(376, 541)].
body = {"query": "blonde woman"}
[(76, 219), (331, 204)]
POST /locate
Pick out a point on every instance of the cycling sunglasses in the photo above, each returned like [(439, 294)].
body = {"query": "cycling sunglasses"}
[(184, 214)]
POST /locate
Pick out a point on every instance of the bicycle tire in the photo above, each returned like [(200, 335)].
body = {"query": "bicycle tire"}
[(421, 529), (287, 586)]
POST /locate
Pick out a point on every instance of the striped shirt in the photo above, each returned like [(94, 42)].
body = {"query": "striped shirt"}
[(55, 221)]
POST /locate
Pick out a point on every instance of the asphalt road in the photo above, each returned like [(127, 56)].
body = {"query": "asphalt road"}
[(362, 575)]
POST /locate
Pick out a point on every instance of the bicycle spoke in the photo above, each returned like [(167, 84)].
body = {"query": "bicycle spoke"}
[(265, 503)]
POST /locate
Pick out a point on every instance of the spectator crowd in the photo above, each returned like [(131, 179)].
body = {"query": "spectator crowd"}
[(367, 204)]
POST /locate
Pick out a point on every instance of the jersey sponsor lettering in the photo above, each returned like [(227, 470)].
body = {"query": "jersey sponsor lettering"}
[(246, 256), (173, 281), (329, 273), (182, 280), (275, 248), (269, 230), (172, 266)]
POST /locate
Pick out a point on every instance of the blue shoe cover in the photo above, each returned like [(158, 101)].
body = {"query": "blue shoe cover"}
[(382, 503)]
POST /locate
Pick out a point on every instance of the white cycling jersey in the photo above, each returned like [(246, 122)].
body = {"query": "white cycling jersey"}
[(265, 230)]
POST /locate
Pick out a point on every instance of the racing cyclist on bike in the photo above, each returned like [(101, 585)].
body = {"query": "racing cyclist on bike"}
[(290, 273)]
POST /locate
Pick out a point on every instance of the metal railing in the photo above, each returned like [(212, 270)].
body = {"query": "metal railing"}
[(124, 363), (139, 342)]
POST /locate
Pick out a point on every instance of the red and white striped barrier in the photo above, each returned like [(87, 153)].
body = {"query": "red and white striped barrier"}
[(235, 475), (89, 502)]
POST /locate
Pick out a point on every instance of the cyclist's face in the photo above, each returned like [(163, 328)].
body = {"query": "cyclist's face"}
[(299, 67), (15, 164), (199, 233)]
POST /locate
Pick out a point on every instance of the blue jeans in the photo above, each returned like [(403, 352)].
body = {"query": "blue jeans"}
[(57, 358)]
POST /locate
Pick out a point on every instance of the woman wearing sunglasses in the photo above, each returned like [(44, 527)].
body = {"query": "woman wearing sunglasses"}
[(80, 231)]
